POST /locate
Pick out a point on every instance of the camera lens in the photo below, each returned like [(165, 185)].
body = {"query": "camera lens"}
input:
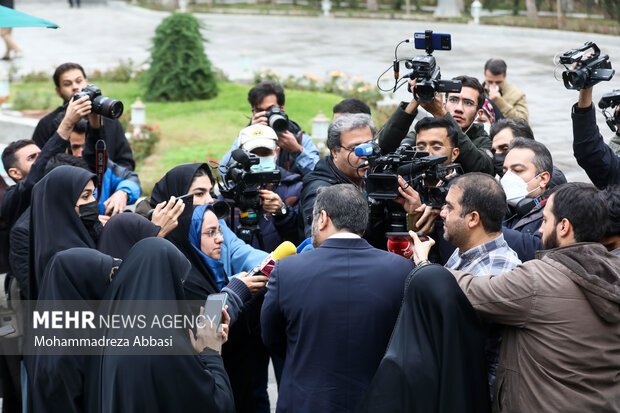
[(108, 107), (278, 123)]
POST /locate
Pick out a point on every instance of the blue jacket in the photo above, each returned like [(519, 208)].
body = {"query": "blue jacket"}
[(331, 312), (301, 164), (592, 153), (118, 178), (236, 255)]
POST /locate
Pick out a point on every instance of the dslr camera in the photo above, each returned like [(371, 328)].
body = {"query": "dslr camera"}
[(277, 119), (590, 67), (102, 105), (424, 68), (611, 100)]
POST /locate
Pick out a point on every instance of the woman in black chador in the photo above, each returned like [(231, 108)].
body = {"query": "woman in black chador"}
[(435, 359), (63, 214), (81, 276), (189, 382)]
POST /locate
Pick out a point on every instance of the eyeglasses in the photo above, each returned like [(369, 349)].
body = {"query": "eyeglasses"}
[(352, 148), (213, 233), (434, 148), (466, 102)]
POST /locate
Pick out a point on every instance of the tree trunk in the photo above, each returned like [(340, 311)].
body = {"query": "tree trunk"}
[(532, 12), (407, 7), (515, 7), (372, 5), (560, 14)]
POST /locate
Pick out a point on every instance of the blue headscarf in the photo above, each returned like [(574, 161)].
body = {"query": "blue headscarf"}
[(195, 230)]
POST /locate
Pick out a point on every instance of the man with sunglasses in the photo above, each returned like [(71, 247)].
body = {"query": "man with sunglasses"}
[(461, 109)]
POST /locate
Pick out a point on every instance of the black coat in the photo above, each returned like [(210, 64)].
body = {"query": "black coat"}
[(592, 153), (331, 311), (435, 359)]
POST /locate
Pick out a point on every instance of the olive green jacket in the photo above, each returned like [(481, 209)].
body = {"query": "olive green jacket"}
[(474, 146), (512, 103)]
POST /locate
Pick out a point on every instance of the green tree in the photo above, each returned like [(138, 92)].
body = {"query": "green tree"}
[(180, 70)]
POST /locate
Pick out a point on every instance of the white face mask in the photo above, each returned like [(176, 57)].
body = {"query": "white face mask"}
[(486, 126), (515, 187)]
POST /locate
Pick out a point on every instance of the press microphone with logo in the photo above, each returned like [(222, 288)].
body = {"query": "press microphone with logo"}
[(284, 250)]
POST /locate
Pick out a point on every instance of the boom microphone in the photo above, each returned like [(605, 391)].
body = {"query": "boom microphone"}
[(284, 250), (240, 156)]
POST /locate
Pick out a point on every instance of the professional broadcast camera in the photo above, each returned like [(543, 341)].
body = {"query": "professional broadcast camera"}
[(277, 119), (102, 105), (241, 186), (611, 100), (591, 67), (424, 172), (424, 67)]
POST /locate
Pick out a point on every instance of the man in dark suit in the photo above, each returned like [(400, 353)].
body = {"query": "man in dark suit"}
[(330, 311)]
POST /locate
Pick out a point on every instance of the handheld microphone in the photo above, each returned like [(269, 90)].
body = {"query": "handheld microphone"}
[(264, 268), (364, 149)]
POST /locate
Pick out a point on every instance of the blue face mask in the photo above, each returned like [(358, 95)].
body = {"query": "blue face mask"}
[(267, 163)]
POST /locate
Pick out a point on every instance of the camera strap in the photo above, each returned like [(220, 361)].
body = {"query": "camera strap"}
[(100, 165)]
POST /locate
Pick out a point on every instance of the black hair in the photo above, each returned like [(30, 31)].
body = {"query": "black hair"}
[(345, 205), (65, 159), (63, 68), (483, 194), (584, 207), (352, 105), (8, 155), (80, 126), (264, 89), (611, 195), (519, 127), (495, 66), (542, 157), (432, 123), (472, 82)]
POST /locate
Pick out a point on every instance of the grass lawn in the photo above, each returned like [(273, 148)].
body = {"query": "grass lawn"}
[(190, 131)]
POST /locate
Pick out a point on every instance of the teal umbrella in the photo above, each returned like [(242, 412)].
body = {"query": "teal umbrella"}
[(14, 18)]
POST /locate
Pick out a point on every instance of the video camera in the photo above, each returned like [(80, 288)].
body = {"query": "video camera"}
[(102, 105), (424, 172), (424, 67), (591, 67), (611, 100), (241, 186)]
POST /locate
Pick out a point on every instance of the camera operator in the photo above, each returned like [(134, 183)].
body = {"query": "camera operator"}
[(461, 109), (70, 79), (343, 166), (298, 154), (592, 153), (279, 204)]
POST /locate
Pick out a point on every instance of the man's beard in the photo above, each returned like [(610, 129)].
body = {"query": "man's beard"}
[(456, 234), (550, 242), (315, 231)]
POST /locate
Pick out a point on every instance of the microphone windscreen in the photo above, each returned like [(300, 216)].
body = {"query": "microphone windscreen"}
[(284, 250), (240, 156)]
